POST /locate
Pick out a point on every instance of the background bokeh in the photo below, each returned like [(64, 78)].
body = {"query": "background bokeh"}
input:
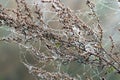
[(109, 13)]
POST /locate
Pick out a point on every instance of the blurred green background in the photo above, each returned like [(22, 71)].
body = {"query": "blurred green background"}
[(10, 66), (109, 13)]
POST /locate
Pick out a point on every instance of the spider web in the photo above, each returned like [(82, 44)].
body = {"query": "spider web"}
[(73, 68)]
